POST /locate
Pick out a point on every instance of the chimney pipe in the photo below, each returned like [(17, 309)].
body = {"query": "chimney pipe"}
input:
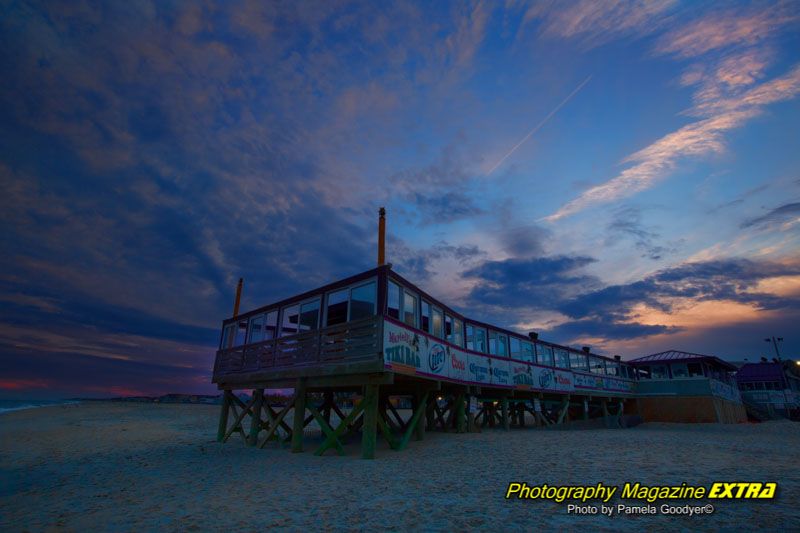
[(533, 335), (381, 236), (238, 297), (586, 349)]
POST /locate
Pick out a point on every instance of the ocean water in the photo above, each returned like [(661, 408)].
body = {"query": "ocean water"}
[(15, 405)]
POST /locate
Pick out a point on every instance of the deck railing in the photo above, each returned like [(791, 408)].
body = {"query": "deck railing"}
[(351, 342)]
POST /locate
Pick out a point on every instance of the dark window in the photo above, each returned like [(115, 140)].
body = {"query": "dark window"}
[(241, 333), (410, 309), (256, 329), (271, 325), (393, 298), (695, 370), (290, 318), (362, 301), (337, 308), (426, 317), (309, 315)]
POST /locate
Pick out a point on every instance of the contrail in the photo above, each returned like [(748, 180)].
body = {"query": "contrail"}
[(540, 124)]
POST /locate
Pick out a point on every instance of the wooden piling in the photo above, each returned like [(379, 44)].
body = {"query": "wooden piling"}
[(299, 415), (223, 416), (370, 426), (255, 418)]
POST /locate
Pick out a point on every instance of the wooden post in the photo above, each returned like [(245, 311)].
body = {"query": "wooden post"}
[(370, 427), (255, 419), (299, 415), (223, 416), (461, 419), (586, 408), (504, 411), (420, 405)]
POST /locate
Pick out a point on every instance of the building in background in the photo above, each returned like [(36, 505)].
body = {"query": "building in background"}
[(772, 386)]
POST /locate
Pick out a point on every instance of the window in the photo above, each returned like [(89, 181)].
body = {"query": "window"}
[(659, 372), (426, 317), (228, 335), (596, 365), (526, 352), (309, 315), (448, 327), (612, 368), (337, 308), (271, 325), (458, 333), (256, 333), (410, 309), (476, 339), (498, 344), (679, 370), (578, 361), (544, 354), (290, 319), (393, 301), (362, 301), (437, 322), (515, 347), (695, 370), (562, 358), (644, 372)]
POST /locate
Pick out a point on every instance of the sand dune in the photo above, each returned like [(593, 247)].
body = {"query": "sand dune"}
[(145, 467)]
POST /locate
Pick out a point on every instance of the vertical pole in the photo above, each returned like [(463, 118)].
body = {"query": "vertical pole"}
[(381, 236), (238, 297), (255, 420), (461, 418), (299, 415), (504, 407), (328, 398), (419, 431), (430, 413), (223, 415), (586, 409), (370, 427)]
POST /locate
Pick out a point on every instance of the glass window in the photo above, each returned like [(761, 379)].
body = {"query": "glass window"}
[(410, 309), (659, 372), (562, 358), (362, 301), (514, 347), (458, 333), (256, 333), (679, 370), (393, 301), (290, 319), (425, 325), (437, 322), (476, 339), (498, 344), (578, 361), (695, 370), (644, 372), (336, 312), (448, 327), (228, 335), (526, 352), (241, 333), (544, 354), (596, 365), (271, 325), (612, 368), (309, 315)]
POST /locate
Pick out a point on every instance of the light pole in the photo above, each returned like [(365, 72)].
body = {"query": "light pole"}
[(775, 342)]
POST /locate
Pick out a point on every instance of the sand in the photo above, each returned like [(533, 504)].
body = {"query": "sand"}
[(150, 467)]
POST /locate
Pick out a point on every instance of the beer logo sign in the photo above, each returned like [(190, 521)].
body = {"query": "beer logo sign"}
[(436, 358)]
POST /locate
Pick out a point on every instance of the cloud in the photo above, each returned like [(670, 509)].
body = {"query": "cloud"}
[(700, 138), (787, 213), (595, 22), (731, 28), (446, 207), (627, 222)]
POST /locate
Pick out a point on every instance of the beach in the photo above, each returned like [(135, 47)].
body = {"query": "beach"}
[(152, 467)]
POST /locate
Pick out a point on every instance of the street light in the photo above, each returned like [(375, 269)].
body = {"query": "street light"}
[(775, 342)]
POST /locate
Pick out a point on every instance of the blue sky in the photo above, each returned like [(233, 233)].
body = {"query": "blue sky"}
[(614, 173)]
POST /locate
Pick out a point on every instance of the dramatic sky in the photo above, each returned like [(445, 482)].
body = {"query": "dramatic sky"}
[(623, 174)]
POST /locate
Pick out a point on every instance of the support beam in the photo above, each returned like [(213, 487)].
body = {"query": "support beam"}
[(504, 416), (461, 415), (369, 430), (255, 418), (299, 415), (420, 406), (223, 415)]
